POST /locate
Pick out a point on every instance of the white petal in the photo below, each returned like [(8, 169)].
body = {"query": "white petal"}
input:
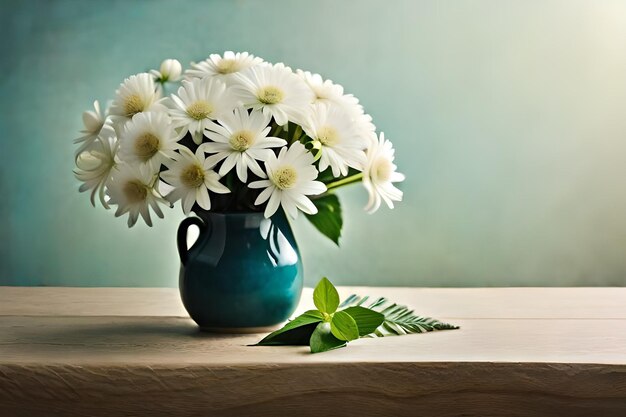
[(290, 206), (202, 197), (260, 184), (155, 206), (272, 204), (145, 214), (270, 142), (255, 167), (213, 184), (188, 201), (197, 136), (312, 188), (264, 196), (212, 160), (279, 116), (214, 147), (217, 137), (229, 163), (260, 154), (305, 205), (132, 218), (373, 203), (397, 177), (242, 168)]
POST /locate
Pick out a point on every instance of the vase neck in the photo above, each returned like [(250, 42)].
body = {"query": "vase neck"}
[(248, 218)]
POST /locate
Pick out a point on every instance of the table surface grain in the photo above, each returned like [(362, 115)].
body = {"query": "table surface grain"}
[(131, 351)]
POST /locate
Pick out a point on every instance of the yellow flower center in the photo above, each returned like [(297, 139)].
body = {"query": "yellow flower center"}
[(146, 146), (192, 176), (270, 95), (133, 104), (285, 177), (227, 66), (327, 136), (383, 169), (199, 110), (135, 191), (241, 140)]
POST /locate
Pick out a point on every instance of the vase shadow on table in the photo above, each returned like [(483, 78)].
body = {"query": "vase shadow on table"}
[(125, 335)]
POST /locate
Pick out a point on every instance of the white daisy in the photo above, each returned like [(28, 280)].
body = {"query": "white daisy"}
[(149, 140), (340, 141), (380, 174), (276, 90), (240, 141), (132, 189), (94, 166), (291, 177), (169, 71), (363, 123), (95, 122), (327, 91), (222, 67), (136, 94), (198, 102), (192, 178)]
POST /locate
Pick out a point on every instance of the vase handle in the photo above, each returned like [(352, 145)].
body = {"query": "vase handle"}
[(181, 236)]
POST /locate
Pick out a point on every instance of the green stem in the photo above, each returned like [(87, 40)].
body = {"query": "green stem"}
[(297, 134), (345, 181), (276, 130)]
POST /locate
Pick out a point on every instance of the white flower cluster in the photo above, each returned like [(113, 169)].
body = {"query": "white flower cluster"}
[(239, 126)]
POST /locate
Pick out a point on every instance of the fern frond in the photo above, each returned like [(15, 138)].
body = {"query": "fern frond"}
[(399, 319)]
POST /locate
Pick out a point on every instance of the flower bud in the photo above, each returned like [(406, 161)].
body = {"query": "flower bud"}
[(93, 120), (170, 70), (87, 161)]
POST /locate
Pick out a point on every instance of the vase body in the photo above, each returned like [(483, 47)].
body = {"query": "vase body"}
[(243, 273)]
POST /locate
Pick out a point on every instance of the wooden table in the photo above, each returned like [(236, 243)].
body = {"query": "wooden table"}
[(116, 351)]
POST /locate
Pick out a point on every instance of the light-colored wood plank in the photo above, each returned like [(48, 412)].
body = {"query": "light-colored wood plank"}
[(157, 340), (67, 301), (101, 352), (466, 303)]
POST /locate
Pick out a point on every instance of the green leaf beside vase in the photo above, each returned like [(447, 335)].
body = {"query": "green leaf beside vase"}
[(327, 328)]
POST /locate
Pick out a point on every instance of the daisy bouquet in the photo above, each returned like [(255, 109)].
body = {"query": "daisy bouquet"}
[(235, 133)]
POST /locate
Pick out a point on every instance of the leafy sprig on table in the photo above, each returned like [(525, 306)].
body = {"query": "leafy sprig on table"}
[(328, 328)]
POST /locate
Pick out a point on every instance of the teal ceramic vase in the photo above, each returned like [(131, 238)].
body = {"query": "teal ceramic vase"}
[(243, 274)]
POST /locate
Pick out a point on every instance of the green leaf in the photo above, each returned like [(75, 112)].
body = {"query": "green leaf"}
[(323, 340), (343, 326), (399, 319), (297, 332), (299, 336), (328, 218), (325, 296), (367, 320)]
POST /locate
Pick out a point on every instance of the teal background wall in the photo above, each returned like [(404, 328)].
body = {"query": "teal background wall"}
[(508, 118)]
